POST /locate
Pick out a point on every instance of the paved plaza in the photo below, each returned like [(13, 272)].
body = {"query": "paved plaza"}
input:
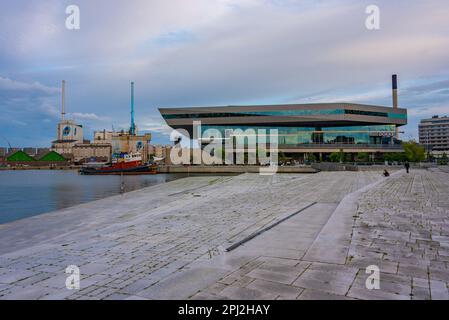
[(169, 241)]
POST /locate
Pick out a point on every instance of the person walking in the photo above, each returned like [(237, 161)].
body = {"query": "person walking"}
[(407, 166)]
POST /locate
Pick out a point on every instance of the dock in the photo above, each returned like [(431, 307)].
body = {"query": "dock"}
[(293, 236)]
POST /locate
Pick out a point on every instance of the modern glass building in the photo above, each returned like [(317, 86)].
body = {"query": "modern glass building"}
[(304, 128)]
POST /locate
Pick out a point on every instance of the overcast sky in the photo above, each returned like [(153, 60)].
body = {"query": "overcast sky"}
[(213, 52)]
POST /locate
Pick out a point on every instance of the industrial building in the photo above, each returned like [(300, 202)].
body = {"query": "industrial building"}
[(304, 129), (69, 133), (124, 142), (103, 136), (85, 152), (434, 135), (106, 144)]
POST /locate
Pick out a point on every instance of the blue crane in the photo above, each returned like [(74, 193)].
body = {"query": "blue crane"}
[(132, 129)]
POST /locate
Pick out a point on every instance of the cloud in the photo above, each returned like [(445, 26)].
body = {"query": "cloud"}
[(85, 116), (218, 52), (441, 110), (155, 124), (30, 26), (432, 87), (162, 129), (22, 101), (20, 87)]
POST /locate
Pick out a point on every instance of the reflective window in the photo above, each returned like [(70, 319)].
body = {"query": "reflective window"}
[(254, 114), (377, 134)]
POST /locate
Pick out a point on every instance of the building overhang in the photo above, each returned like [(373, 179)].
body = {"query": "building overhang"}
[(292, 115)]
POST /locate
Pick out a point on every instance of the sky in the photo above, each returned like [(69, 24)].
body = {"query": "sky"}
[(213, 52)]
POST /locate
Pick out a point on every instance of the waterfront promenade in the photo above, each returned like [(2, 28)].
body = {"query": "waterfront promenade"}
[(169, 241)]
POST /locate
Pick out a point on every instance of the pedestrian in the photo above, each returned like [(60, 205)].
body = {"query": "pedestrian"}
[(407, 166)]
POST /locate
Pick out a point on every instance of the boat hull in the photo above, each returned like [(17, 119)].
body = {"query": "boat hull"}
[(119, 171)]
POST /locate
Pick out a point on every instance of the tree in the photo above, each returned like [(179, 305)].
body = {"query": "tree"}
[(347, 157), (334, 157), (389, 157), (395, 156), (342, 156), (311, 157), (362, 157), (282, 156), (443, 160), (413, 151)]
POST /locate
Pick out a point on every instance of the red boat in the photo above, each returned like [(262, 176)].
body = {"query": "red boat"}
[(125, 164)]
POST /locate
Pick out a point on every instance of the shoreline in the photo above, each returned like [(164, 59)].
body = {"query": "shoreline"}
[(194, 169)]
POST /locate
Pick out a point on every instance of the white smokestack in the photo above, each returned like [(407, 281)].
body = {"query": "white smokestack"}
[(63, 100)]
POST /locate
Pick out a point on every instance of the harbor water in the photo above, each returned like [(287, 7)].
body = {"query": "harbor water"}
[(25, 193)]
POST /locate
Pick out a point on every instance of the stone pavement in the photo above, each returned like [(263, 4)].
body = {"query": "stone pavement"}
[(406, 232), (168, 241), (400, 224), (135, 243)]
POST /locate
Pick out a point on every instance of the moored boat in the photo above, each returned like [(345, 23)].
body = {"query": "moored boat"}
[(122, 164)]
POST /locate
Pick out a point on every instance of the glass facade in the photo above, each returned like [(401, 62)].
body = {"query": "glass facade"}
[(306, 128), (292, 136)]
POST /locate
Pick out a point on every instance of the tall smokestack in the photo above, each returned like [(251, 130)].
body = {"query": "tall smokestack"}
[(395, 99), (63, 100), (132, 129), (395, 91)]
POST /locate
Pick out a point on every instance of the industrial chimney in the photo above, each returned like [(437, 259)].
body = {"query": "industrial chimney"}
[(395, 99), (63, 100), (395, 91)]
